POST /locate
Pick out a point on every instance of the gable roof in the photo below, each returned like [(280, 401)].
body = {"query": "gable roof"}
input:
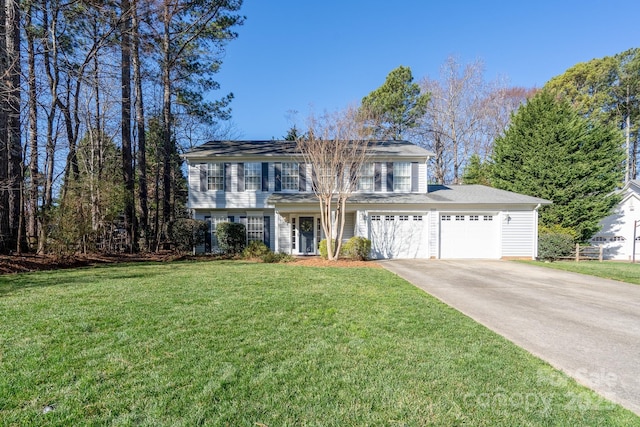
[(275, 148), (438, 194)]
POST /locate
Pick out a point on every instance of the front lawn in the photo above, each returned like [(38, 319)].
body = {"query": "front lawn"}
[(616, 270), (242, 344)]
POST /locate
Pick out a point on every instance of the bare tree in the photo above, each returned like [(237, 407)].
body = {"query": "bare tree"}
[(464, 116), (336, 147), (453, 115)]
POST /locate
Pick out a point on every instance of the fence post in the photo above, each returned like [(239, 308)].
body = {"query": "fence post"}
[(577, 252), (600, 255)]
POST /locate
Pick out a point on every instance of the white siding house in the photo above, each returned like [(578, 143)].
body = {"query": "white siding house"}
[(617, 230), (267, 186)]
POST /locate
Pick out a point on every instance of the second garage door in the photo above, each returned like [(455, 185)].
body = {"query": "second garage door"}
[(464, 235), (399, 236)]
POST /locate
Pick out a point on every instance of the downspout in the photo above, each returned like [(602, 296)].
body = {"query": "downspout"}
[(535, 232)]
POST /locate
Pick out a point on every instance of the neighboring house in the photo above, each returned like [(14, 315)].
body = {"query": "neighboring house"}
[(617, 232), (266, 185)]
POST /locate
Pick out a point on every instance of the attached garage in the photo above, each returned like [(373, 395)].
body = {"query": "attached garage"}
[(398, 235), (469, 235)]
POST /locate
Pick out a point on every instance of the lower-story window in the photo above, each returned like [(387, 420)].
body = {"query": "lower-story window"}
[(255, 228)]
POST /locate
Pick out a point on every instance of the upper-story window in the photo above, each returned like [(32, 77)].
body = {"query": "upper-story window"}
[(290, 176), (215, 176), (367, 177), (402, 176), (252, 176)]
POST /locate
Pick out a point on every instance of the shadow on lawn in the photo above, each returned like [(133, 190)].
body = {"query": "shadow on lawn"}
[(77, 276)]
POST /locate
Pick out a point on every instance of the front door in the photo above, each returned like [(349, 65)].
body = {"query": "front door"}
[(306, 235)]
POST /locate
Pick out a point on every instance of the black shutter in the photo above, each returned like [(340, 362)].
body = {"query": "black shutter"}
[(302, 172), (267, 231), (314, 179), (240, 176), (389, 176), (203, 177), (415, 177), (277, 167), (227, 177), (207, 235), (230, 218), (377, 170), (265, 177)]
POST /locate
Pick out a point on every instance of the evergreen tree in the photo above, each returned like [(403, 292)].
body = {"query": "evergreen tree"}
[(395, 106), (476, 172), (552, 151)]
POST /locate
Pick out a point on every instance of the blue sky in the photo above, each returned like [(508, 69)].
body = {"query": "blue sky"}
[(324, 55)]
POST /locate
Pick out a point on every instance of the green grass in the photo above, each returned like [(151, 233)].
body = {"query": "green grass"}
[(622, 271), (240, 344)]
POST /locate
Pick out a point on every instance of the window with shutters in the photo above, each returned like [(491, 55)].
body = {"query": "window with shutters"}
[(215, 176), (252, 176), (402, 176), (290, 176), (255, 228)]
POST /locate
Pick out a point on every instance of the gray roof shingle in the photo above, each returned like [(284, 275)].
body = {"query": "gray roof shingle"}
[(272, 148), (438, 194)]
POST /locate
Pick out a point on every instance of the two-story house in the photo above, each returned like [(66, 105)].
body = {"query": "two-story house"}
[(619, 229), (267, 186)]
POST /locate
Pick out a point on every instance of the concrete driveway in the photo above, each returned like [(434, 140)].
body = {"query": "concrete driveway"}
[(585, 326)]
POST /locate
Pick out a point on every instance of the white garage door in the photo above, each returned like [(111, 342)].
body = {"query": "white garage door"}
[(469, 236), (398, 236)]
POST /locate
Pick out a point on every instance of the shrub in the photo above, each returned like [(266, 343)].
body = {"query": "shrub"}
[(558, 229), (323, 248), (356, 248), (186, 233), (273, 257), (231, 237), (554, 245), (255, 249)]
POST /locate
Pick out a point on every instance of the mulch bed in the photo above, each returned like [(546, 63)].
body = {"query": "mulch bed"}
[(31, 262)]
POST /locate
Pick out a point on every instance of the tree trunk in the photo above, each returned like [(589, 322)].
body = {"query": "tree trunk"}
[(142, 139), (14, 137), (32, 219), (4, 152), (166, 118), (127, 159)]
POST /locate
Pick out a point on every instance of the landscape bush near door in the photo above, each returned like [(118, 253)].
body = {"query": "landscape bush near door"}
[(356, 248)]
